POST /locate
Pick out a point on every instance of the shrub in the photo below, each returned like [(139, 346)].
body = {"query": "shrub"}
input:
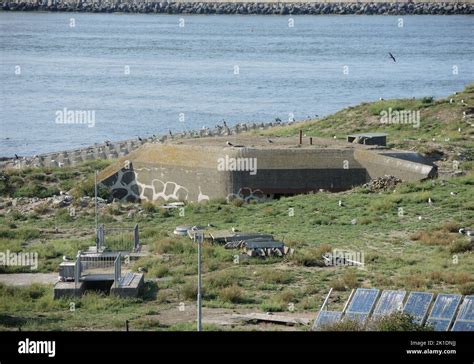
[(349, 278), (460, 246), (276, 277), (232, 294), (41, 209), (287, 297), (435, 237), (176, 246), (272, 306), (311, 257), (149, 207), (36, 190), (189, 291), (415, 280), (397, 321), (338, 285), (223, 279), (467, 288), (238, 202), (345, 325)]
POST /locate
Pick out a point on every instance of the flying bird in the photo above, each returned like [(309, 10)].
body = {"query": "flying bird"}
[(392, 57), (270, 141), (140, 139), (170, 133), (16, 156), (229, 144)]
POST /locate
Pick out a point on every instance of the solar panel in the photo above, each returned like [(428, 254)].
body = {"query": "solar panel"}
[(445, 306), (417, 305), (466, 311), (463, 326), (439, 324), (326, 318), (355, 316), (389, 302), (443, 311), (363, 300), (465, 319)]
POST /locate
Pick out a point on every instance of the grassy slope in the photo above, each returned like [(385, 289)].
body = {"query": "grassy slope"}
[(401, 252), (439, 120)]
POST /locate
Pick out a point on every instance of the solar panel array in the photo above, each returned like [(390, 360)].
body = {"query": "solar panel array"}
[(367, 303)]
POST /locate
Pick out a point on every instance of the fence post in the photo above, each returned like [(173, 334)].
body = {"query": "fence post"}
[(117, 271), (136, 240), (77, 269), (100, 237)]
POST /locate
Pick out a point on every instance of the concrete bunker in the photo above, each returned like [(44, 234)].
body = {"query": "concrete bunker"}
[(253, 168)]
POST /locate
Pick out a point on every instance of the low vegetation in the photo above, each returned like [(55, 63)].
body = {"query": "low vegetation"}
[(420, 249)]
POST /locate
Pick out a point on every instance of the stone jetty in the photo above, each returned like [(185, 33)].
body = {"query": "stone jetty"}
[(400, 7)]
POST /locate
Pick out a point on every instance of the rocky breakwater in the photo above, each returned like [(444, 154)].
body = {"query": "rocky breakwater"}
[(114, 150), (267, 8)]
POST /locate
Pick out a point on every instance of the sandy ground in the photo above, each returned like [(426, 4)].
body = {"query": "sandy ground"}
[(232, 318), (25, 279)]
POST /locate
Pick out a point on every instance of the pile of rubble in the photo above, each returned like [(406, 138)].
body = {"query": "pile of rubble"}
[(382, 183)]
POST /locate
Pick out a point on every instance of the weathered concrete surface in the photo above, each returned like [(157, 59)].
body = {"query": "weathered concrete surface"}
[(381, 164), (132, 290), (189, 170), (68, 289)]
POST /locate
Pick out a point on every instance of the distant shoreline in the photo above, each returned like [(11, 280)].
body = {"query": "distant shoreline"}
[(243, 7)]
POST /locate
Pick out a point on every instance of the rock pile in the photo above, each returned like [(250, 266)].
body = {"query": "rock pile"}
[(277, 8), (382, 183)]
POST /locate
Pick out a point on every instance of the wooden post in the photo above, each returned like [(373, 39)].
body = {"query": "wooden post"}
[(301, 137)]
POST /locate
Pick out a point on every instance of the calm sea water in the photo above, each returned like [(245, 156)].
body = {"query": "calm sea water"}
[(189, 72)]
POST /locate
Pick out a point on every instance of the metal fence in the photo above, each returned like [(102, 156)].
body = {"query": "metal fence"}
[(117, 239), (97, 264)]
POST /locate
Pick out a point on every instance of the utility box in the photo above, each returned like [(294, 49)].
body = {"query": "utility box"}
[(66, 271)]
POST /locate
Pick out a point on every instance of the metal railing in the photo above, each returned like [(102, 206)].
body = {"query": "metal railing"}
[(117, 239)]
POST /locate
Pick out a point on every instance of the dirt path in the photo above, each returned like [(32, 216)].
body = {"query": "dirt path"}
[(25, 279)]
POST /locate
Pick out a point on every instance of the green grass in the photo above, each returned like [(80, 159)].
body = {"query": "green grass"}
[(420, 250)]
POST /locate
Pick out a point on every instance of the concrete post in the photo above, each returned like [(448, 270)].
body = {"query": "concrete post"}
[(199, 298)]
